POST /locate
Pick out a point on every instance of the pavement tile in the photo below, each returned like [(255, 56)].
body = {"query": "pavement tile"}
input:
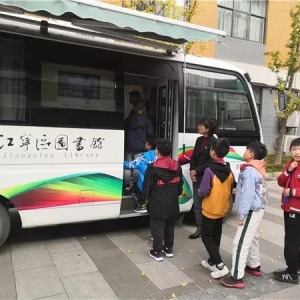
[(123, 238), (63, 245), (182, 290), (118, 270), (164, 274), (7, 277), (289, 292), (137, 252), (73, 262), (88, 286), (200, 295), (38, 283), (30, 256), (56, 297)]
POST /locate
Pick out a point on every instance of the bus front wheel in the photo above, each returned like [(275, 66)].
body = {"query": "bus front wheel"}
[(4, 224)]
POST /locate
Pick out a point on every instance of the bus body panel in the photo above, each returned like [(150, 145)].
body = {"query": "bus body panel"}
[(45, 170)]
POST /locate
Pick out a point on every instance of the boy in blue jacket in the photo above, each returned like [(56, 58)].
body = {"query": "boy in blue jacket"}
[(250, 201), (141, 163)]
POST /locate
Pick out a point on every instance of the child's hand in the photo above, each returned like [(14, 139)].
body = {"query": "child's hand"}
[(240, 222), (292, 166), (233, 191), (192, 173), (286, 192)]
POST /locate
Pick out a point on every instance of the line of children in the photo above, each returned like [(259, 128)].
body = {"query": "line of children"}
[(163, 185), (215, 189)]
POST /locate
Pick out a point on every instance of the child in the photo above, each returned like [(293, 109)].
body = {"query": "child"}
[(141, 163), (289, 180), (251, 198), (216, 188), (162, 186), (199, 161)]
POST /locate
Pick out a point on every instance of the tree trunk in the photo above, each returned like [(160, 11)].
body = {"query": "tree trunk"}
[(281, 133)]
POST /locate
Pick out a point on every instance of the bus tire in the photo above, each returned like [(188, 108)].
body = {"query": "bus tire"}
[(4, 224)]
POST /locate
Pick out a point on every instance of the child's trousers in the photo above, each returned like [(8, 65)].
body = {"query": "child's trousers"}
[(246, 244), (163, 233), (292, 241), (211, 237)]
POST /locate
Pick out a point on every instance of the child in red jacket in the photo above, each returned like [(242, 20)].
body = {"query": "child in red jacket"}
[(289, 179)]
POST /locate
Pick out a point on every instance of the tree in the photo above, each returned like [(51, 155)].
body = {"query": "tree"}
[(166, 8), (292, 65)]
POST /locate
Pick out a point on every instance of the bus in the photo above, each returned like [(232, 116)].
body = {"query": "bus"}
[(63, 101)]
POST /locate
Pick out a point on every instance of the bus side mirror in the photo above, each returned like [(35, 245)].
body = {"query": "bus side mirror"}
[(282, 100)]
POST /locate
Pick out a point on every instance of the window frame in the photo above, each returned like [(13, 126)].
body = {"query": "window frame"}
[(249, 14)]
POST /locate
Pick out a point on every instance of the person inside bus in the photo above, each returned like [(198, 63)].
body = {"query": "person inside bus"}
[(138, 126), (141, 163), (199, 162), (134, 96)]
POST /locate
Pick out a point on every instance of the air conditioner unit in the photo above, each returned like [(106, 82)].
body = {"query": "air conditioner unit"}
[(293, 120), (287, 142)]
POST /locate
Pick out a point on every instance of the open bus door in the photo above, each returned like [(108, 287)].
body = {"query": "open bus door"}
[(164, 108)]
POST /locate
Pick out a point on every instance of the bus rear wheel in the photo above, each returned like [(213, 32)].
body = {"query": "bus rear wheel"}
[(4, 224)]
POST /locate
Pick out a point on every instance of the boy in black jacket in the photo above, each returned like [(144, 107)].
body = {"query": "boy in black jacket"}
[(162, 186)]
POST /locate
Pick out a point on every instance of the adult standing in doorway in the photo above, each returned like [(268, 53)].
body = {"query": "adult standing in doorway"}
[(199, 162), (138, 127)]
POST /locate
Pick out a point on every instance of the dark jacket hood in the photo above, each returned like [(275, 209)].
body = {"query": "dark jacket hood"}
[(166, 169), (221, 170)]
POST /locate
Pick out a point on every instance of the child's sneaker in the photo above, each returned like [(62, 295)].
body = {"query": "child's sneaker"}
[(285, 276), (141, 209), (231, 282), (253, 271), (168, 252), (221, 271), (207, 265), (151, 237), (157, 256)]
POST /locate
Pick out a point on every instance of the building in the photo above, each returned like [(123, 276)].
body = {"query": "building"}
[(253, 28)]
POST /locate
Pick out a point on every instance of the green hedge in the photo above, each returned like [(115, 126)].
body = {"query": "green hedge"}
[(275, 168)]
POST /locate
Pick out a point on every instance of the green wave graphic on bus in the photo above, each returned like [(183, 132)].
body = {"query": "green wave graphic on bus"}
[(187, 193), (66, 190)]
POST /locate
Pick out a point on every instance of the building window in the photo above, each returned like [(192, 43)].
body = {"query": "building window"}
[(243, 18)]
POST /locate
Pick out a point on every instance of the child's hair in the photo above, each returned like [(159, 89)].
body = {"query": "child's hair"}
[(139, 104), (134, 96), (258, 149), (221, 147), (295, 143), (164, 147), (152, 142), (210, 124)]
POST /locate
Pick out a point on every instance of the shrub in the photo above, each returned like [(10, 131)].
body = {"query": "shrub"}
[(275, 168)]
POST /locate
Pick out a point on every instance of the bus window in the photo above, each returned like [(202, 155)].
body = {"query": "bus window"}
[(206, 95), (79, 97), (12, 81), (199, 104)]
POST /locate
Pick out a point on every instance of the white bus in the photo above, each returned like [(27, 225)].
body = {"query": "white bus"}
[(63, 101)]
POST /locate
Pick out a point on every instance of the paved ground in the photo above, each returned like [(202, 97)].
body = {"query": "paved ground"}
[(109, 260)]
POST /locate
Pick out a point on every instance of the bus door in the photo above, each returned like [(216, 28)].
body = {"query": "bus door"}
[(164, 109)]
